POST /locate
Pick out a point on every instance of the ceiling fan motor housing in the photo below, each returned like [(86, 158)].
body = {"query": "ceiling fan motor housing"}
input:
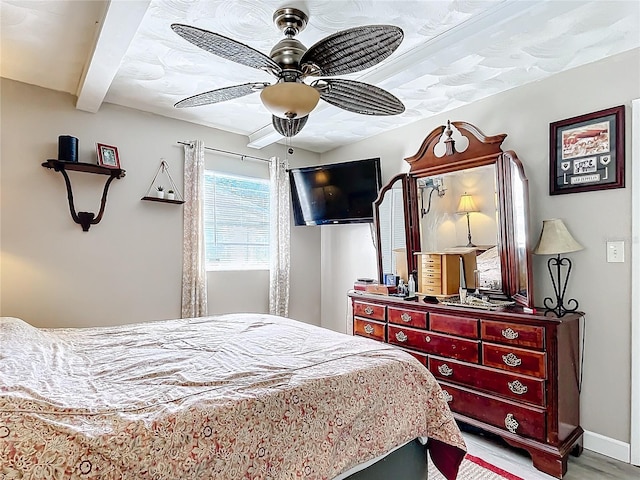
[(287, 53), (290, 21)]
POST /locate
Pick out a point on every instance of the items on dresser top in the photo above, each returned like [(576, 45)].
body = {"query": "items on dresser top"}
[(472, 301), (509, 372), (374, 287)]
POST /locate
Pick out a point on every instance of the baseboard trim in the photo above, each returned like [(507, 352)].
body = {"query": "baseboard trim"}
[(607, 446)]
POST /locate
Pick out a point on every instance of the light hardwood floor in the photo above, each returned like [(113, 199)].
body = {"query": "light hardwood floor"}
[(588, 466)]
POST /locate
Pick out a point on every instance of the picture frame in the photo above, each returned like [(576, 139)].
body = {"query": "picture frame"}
[(587, 152), (108, 156)]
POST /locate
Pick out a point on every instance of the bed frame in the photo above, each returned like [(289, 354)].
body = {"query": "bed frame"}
[(408, 462)]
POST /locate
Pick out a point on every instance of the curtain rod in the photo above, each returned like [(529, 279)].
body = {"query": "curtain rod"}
[(243, 156)]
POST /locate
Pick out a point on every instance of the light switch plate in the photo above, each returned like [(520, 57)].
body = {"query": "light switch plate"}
[(615, 252)]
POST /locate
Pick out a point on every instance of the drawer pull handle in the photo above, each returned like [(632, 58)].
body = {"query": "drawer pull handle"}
[(401, 337), (368, 310), (510, 334), (445, 370), (511, 360), (447, 396), (368, 329), (405, 317), (427, 339), (511, 423), (517, 387)]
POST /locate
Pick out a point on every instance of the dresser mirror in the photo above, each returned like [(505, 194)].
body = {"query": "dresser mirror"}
[(391, 233), (459, 210), (471, 201)]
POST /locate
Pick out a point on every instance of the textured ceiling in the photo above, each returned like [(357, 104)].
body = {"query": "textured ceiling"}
[(454, 52)]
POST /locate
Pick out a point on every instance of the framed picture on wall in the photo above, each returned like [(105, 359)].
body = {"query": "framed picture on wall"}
[(587, 152), (108, 156)]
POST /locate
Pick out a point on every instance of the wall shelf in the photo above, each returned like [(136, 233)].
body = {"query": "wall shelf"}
[(163, 200), (163, 168), (85, 219)]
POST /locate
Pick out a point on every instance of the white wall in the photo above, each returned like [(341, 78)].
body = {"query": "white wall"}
[(602, 289), (128, 267)]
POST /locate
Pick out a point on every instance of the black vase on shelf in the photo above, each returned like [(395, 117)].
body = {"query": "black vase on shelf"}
[(67, 148)]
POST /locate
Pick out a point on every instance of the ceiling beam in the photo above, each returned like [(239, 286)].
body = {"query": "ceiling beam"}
[(119, 25), (263, 137)]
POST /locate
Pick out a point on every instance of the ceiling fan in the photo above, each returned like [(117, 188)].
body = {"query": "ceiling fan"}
[(290, 99)]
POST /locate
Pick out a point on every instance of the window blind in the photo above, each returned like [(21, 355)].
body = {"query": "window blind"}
[(236, 225)]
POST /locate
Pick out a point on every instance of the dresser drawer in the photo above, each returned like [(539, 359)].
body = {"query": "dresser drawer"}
[(513, 334), (526, 421), (432, 271), (431, 289), (369, 310), (462, 326), (428, 279), (421, 357), (517, 387), (410, 318), (429, 342), (517, 360), (430, 260), (369, 328)]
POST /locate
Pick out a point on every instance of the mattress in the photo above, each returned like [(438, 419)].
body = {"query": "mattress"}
[(243, 396)]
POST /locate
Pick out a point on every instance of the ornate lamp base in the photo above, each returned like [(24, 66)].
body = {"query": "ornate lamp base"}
[(559, 287)]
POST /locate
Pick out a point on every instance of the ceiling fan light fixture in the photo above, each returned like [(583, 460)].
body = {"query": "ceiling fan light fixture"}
[(290, 99)]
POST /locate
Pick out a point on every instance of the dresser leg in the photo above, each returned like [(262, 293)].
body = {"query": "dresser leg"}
[(577, 449), (549, 463)]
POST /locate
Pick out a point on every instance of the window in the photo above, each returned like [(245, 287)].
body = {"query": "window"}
[(236, 224)]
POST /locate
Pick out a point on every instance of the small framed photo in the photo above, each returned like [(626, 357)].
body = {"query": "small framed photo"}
[(587, 152), (108, 156)]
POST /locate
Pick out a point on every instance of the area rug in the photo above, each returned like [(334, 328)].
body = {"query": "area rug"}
[(474, 468)]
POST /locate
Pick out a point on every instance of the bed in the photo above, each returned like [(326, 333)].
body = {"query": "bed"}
[(229, 397), (489, 268)]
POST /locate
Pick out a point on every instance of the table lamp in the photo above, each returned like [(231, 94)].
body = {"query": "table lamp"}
[(555, 239), (466, 206)]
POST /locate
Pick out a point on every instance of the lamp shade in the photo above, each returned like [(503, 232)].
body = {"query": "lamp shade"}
[(290, 99), (555, 239), (466, 204)]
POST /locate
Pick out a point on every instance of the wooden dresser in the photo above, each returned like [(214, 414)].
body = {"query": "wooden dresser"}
[(511, 373)]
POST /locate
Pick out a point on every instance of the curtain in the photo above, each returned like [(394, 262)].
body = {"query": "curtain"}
[(279, 239), (194, 273)]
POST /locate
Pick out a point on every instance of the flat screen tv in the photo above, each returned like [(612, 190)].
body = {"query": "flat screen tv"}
[(335, 193)]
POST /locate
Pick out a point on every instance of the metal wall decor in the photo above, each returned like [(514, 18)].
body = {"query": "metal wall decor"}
[(587, 152), (344, 52), (85, 219)]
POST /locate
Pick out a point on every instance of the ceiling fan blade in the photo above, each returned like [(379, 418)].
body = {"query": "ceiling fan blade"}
[(351, 50), (220, 95), (289, 127), (358, 97), (226, 48)]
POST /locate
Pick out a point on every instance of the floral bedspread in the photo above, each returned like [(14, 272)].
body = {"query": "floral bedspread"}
[(229, 397)]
